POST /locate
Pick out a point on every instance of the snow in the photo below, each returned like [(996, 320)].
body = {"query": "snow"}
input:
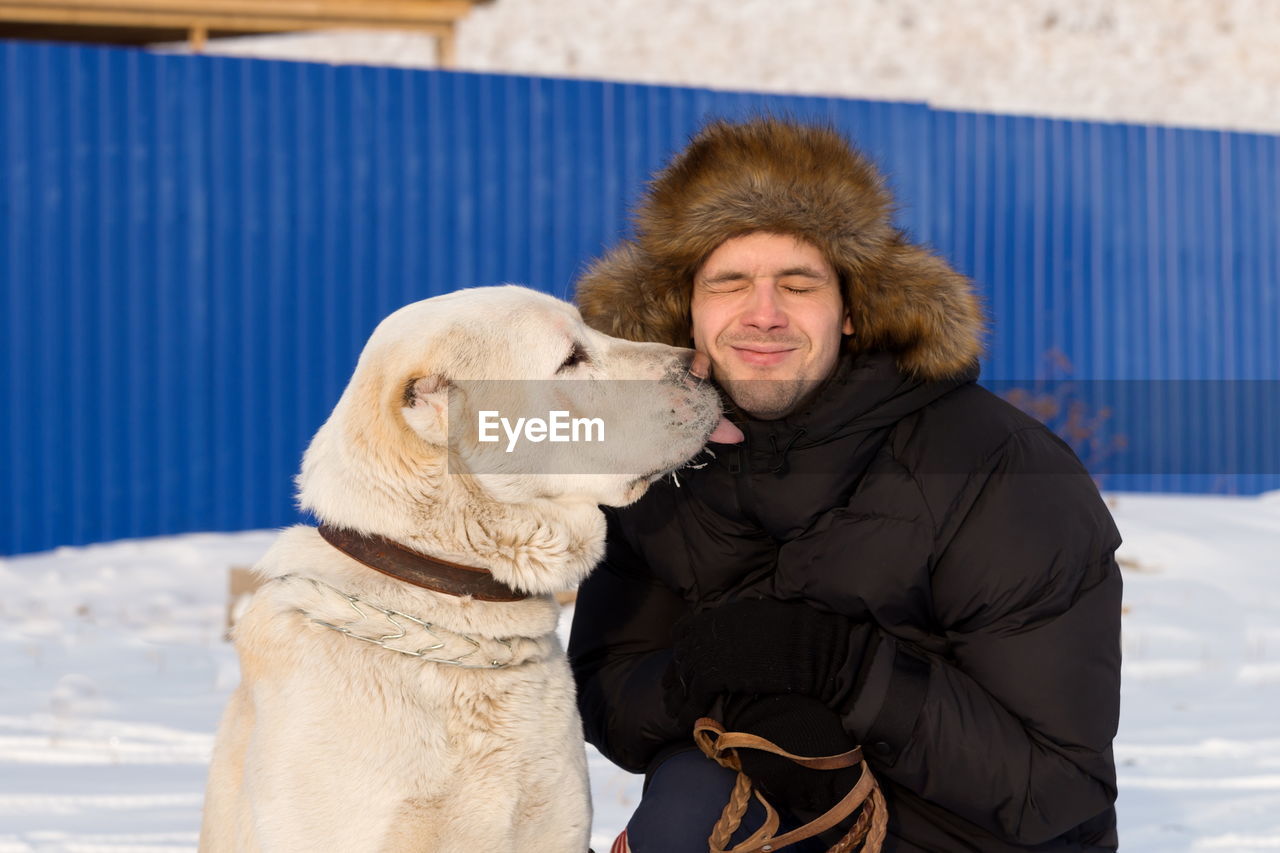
[(115, 670), (1150, 61)]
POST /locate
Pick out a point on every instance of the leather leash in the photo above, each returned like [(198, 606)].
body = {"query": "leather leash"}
[(869, 829), (393, 559)]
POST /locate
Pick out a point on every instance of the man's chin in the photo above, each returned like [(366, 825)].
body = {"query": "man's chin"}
[(766, 399)]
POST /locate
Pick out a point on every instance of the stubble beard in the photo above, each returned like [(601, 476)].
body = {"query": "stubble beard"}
[(768, 399)]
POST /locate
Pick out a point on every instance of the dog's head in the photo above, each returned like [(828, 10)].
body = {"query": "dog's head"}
[(503, 392)]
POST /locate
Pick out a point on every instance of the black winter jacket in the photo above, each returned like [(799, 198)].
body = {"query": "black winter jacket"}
[(965, 530)]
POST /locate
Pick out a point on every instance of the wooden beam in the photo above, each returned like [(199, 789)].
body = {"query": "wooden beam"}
[(405, 12), (197, 18), (446, 48), (248, 23), (197, 37)]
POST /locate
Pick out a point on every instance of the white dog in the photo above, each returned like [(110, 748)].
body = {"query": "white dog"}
[(386, 710)]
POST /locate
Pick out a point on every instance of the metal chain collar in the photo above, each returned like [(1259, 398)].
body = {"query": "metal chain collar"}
[(470, 658)]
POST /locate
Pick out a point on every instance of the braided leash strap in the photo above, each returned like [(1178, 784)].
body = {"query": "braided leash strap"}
[(866, 835)]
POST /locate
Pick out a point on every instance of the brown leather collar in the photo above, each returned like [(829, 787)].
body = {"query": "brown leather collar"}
[(392, 558)]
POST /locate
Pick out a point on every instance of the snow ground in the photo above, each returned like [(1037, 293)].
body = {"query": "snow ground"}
[(114, 672)]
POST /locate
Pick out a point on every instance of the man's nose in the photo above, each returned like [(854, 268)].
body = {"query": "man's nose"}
[(764, 311)]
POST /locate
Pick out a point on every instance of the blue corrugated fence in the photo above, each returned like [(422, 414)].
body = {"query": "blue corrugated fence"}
[(194, 249)]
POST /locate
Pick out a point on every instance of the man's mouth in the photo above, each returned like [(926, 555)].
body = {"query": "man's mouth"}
[(761, 355)]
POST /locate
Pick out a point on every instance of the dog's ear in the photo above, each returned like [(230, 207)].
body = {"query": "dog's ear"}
[(426, 407)]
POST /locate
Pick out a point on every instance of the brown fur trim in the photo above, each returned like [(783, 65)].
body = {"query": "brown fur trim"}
[(786, 178), (629, 295)]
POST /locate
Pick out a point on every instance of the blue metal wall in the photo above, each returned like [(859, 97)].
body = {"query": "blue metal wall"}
[(193, 250)]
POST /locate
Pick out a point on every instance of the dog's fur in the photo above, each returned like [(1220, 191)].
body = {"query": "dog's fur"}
[(334, 744)]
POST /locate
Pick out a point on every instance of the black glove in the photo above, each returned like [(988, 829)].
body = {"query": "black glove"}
[(802, 726), (764, 646)]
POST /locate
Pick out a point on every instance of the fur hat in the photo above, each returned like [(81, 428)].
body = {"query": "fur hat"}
[(802, 180)]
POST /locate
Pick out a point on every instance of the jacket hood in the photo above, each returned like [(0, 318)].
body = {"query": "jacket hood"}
[(802, 180)]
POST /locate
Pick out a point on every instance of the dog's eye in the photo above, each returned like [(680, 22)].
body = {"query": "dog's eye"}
[(577, 356)]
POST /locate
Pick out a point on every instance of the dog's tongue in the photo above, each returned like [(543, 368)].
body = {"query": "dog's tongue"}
[(725, 433)]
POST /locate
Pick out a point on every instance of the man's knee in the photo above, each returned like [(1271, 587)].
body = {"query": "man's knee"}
[(681, 804)]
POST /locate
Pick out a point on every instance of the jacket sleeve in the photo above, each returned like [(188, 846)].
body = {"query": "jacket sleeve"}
[(1007, 719), (619, 648)]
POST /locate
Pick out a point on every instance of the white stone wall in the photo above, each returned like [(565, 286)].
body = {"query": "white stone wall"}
[(1183, 62)]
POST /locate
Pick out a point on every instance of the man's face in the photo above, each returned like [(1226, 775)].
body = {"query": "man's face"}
[(767, 311)]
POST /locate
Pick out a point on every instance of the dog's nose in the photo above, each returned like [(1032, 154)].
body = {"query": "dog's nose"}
[(700, 366)]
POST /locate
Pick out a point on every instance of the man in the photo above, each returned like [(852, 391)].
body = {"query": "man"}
[(892, 557)]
